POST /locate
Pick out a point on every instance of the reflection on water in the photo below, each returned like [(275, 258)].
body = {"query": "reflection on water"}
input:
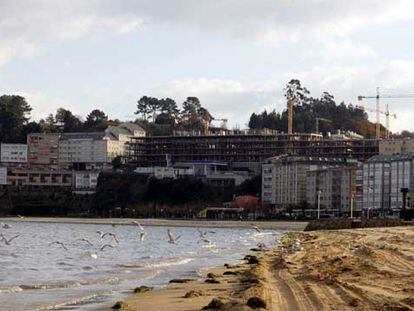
[(35, 274)]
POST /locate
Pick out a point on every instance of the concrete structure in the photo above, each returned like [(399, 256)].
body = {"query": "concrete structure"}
[(284, 178), (214, 173), (336, 185), (396, 146), (244, 147), (43, 149), (3, 176), (23, 177), (85, 182), (384, 177), (83, 151), (119, 136), (13, 153)]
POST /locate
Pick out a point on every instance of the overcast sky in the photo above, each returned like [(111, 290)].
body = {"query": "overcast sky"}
[(235, 55)]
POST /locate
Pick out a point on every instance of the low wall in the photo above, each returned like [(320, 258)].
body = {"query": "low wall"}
[(334, 224)]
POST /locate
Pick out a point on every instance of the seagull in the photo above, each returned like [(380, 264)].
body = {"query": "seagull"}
[(100, 233), (112, 235), (138, 225), (5, 226), (20, 216), (171, 238), (85, 240), (105, 246), (7, 242), (202, 234), (142, 231), (60, 243), (256, 228)]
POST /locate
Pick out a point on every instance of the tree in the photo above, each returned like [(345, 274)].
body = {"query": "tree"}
[(191, 107), (295, 91), (67, 120), (169, 106), (14, 114), (96, 120), (148, 105)]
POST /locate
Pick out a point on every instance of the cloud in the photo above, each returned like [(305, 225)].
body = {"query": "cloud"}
[(33, 23)]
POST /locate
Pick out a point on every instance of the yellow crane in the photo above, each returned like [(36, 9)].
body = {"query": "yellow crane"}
[(387, 114), (378, 111)]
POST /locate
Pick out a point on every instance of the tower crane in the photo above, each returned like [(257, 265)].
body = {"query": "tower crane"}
[(378, 110), (387, 114), (317, 123)]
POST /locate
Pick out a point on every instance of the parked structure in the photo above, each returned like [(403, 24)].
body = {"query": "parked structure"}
[(13, 153), (285, 183), (43, 149), (384, 177)]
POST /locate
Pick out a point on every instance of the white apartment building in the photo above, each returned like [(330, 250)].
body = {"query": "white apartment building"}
[(284, 178), (396, 146), (336, 185), (13, 153), (95, 150), (383, 178), (85, 182)]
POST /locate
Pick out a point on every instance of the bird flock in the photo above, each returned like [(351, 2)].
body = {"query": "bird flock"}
[(110, 240)]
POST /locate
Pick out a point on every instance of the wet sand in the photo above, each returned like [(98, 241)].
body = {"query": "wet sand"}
[(275, 225), (364, 269)]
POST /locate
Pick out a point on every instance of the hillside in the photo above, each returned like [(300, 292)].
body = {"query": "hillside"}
[(307, 109)]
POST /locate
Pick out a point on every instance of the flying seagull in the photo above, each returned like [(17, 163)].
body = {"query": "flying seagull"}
[(256, 228), (7, 242), (142, 231), (60, 243), (138, 225), (202, 234), (20, 216), (105, 246), (112, 235), (171, 238), (5, 226), (85, 240)]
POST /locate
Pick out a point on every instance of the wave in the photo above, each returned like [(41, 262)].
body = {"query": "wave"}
[(164, 263), (69, 284)]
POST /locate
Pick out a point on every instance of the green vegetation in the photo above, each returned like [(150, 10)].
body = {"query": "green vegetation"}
[(307, 109)]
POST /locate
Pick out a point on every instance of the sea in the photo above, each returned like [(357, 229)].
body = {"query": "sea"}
[(36, 273)]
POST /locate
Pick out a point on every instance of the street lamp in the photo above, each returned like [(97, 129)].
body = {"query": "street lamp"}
[(352, 205), (319, 202)]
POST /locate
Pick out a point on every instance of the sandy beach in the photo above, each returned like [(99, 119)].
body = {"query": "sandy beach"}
[(275, 225), (364, 269)]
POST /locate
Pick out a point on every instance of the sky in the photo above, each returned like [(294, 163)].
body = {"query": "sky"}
[(236, 56)]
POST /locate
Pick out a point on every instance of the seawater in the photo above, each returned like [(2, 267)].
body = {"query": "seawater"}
[(35, 275)]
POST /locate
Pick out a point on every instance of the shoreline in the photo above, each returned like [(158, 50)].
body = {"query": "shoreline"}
[(360, 269), (275, 225)]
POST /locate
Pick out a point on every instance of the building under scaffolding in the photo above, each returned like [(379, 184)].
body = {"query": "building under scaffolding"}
[(242, 149)]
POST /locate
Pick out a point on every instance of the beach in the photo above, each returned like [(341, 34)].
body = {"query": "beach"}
[(360, 269)]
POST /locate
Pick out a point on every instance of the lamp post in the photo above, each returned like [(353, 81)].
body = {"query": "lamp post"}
[(319, 202), (352, 205)]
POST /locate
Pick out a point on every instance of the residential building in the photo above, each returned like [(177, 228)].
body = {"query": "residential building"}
[(13, 153), (43, 149), (120, 136), (384, 177), (85, 182), (284, 178), (336, 186), (83, 151), (3, 176), (396, 146), (22, 177)]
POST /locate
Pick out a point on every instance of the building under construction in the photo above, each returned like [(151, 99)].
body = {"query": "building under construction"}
[(242, 148)]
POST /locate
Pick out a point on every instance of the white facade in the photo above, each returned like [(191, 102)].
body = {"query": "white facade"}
[(83, 148), (3, 175), (86, 180), (383, 178), (13, 153)]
